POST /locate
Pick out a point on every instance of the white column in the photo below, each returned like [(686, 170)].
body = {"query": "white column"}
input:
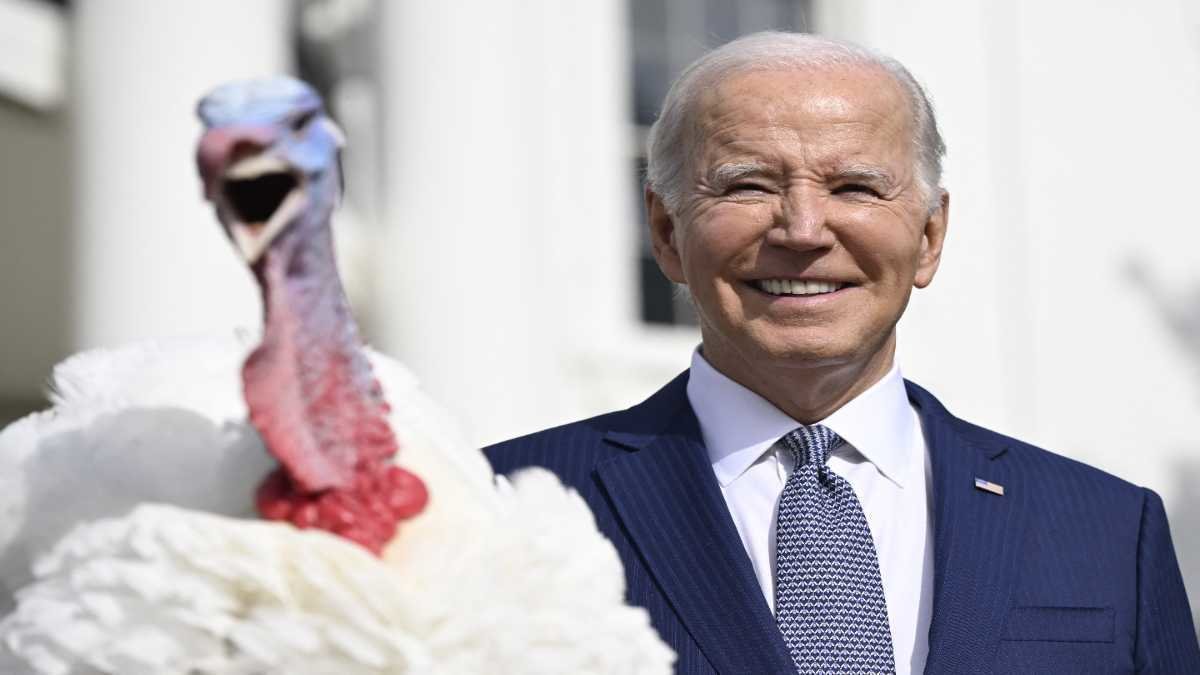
[(150, 259), (509, 201)]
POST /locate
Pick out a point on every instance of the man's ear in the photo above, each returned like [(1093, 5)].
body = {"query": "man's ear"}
[(664, 238), (932, 240)]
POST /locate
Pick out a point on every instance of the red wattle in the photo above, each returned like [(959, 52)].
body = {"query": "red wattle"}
[(320, 410), (367, 513)]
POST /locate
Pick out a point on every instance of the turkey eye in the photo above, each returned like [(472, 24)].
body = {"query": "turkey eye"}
[(302, 120)]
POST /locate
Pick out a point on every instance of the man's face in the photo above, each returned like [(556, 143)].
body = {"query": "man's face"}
[(803, 227)]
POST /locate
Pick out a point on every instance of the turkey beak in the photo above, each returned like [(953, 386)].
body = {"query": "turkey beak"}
[(256, 193)]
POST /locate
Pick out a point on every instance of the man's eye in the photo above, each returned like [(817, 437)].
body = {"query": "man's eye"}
[(746, 188), (856, 189)]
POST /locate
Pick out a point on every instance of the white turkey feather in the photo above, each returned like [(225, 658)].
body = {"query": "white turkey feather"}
[(492, 577), (154, 422)]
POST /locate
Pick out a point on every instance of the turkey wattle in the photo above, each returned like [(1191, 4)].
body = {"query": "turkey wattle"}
[(269, 162), (128, 542)]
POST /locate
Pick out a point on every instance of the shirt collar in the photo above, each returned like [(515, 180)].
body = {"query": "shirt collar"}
[(739, 426)]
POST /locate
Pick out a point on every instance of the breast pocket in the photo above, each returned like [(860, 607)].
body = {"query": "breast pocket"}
[(1057, 640), (1060, 624)]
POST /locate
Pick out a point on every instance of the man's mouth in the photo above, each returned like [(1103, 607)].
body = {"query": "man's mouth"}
[(797, 287)]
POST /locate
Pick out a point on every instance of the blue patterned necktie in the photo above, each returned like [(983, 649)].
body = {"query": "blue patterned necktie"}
[(829, 600)]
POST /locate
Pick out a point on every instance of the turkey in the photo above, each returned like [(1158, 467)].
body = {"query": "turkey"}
[(289, 502)]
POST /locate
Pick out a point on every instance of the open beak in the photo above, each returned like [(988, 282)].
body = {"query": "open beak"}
[(256, 193)]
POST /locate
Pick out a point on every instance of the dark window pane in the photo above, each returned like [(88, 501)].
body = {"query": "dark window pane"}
[(721, 21), (658, 305), (760, 15), (650, 81), (649, 16)]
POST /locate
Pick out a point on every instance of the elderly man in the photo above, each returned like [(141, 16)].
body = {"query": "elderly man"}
[(790, 502)]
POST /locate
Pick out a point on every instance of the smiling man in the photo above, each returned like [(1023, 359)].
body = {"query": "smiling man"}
[(791, 503)]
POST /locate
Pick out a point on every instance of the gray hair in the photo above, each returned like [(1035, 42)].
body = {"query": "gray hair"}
[(668, 143)]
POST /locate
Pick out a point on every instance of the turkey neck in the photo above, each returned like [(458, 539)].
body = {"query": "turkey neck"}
[(309, 387)]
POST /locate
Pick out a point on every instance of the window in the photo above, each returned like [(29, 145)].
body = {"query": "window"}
[(668, 35)]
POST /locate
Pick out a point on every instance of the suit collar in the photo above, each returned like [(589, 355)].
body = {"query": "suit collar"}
[(977, 540), (739, 426), (671, 506), (666, 495)]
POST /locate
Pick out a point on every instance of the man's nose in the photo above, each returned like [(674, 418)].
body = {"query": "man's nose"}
[(801, 222)]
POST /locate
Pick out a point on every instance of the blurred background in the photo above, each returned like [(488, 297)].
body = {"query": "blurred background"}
[(492, 235)]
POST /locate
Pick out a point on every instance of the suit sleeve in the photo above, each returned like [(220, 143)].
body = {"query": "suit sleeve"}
[(1166, 639)]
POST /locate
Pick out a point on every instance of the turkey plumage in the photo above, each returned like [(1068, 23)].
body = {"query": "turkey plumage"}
[(129, 536)]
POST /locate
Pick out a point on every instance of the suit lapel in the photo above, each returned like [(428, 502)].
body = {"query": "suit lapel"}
[(977, 542), (666, 496)]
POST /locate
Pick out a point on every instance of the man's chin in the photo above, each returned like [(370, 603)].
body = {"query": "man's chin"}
[(772, 357), (805, 357), (798, 351), (804, 348)]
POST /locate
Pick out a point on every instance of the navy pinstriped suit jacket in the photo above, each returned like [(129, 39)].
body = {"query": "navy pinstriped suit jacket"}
[(1071, 571)]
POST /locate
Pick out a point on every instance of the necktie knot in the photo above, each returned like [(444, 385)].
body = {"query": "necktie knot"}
[(811, 444)]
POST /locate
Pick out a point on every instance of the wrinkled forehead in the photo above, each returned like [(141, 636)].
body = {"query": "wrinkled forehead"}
[(849, 96), (256, 101)]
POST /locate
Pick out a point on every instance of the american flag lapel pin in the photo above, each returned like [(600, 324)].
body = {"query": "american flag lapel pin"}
[(989, 486)]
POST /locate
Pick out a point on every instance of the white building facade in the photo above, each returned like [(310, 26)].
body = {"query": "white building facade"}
[(493, 245)]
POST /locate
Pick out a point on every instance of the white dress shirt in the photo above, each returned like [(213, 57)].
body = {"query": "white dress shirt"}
[(884, 459)]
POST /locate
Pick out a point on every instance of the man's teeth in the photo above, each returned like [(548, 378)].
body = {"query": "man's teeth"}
[(790, 287)]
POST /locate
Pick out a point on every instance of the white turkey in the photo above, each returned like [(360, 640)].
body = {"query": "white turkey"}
[(292, 504)]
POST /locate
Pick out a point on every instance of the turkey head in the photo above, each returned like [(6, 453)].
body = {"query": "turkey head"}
[(269, 161)]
